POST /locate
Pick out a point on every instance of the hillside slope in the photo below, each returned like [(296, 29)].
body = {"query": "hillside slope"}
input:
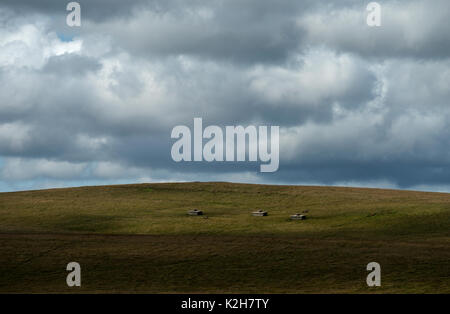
[(138, 238)]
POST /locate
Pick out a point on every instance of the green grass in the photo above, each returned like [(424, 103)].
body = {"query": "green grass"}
[(138, 238)]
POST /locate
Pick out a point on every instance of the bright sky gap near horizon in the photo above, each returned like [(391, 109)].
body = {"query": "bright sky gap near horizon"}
[(356, 105)]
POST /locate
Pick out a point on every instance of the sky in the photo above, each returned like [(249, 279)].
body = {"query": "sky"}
[(96, 104)]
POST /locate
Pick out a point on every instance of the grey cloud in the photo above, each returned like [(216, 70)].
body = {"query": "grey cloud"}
[(354, 104), (412, 29), (234, 31), (249, 31), (70, 65)]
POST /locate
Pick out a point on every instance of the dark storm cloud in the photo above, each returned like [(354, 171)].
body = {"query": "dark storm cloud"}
[(355, 104), (397, 173), (238, 31), (253, 31)]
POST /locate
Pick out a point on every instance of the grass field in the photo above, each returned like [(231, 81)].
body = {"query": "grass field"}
[(138, 238)]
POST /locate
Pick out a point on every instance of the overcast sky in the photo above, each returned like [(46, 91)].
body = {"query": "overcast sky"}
[(356, 105)]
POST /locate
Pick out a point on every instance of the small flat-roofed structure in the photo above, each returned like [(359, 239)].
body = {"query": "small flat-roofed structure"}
[(298, 217), (259, 213), (195, 212)]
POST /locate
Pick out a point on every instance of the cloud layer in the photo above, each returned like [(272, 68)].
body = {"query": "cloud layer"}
[(356, 105)]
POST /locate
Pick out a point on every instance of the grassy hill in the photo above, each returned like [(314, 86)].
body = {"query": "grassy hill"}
[(138, 238)]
